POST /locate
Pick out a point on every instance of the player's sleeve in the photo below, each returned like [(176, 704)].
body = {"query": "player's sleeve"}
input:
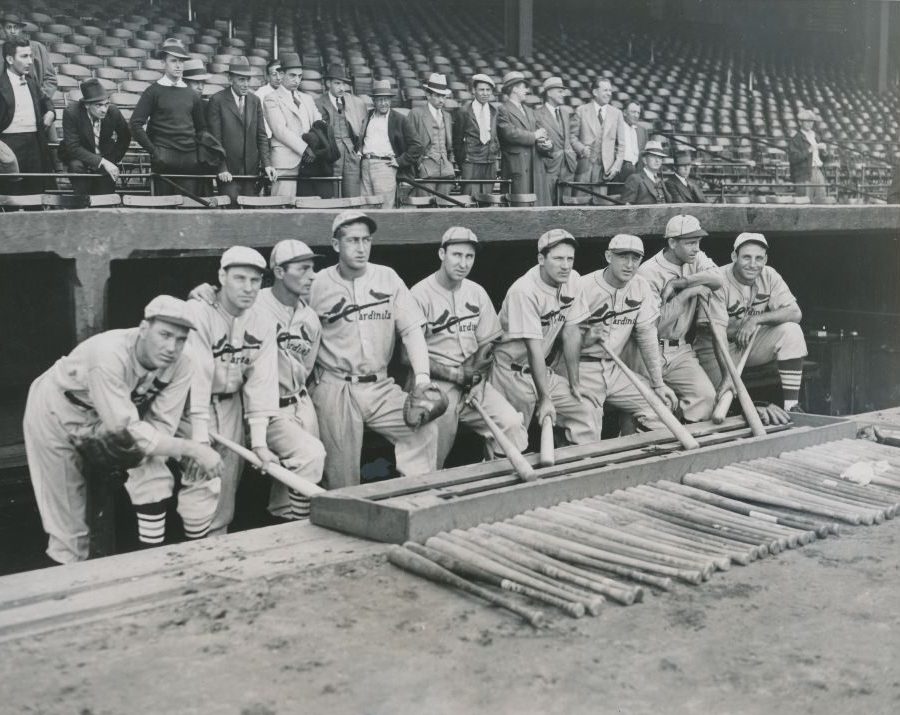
[(522, 316), (260, 390), (419, 293), (579, 311), (199, 345), (718, 304), (705, 263), (780, 295), (165, 411), (408, 314), (654, 284), (488, 329), (314, 326), (649, 310)]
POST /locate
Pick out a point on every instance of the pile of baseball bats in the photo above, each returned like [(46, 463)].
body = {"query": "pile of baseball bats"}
[(577, 555)]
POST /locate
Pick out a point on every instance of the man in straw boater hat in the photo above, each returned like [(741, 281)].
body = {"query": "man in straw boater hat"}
[(95, 138), (166, 121), (383, 146), (520, 137), (646, 186), (345, 113), (560, 160), (475, 143), (429, 137), (806, 155), (235, 118)]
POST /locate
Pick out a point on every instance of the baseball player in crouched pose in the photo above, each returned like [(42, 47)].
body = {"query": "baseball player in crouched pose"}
[(112, 404), (362, 306), (461, 329), (542, 305), (621, 304), (756, 299)]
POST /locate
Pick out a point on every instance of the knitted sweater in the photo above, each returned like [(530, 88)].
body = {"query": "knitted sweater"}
[(173, 115)]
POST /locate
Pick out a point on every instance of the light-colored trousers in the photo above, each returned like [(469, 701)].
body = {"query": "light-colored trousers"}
[(379, 178), (293, 435)]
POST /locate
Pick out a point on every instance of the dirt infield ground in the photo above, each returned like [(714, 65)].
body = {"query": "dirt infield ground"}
[(813, 630)]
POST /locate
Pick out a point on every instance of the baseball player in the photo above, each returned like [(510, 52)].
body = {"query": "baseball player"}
[(545, 304), (460, 330), (621, 304), (756, 299), (127, 385), (680, 275), (237, 372), (362, 307)]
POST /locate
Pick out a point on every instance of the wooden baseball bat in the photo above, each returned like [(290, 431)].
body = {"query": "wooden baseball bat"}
[(420, 566), (747, 406), (724, 403), (657, 405), (548, 455), (519, 464), (286, 476)]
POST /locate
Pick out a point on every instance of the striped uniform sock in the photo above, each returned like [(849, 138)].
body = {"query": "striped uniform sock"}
[(299, 505), (196, 528), (151, 519), (791, 373)]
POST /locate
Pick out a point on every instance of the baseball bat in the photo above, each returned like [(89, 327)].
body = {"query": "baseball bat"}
[(724, 403), (747, 406), (657, 405), (286, 476), (420, 566), (548, 456), (519, 464)]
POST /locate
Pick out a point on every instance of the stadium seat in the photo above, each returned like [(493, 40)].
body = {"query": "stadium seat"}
[(152, 202), (21, 202), (268, 202)]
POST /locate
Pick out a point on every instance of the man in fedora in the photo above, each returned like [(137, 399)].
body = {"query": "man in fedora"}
[(166, 121), (806, 155), (290, 114), (598, 135), (195, 75), (95, 138), (681, 187), (345, 113), (429, 137), (235, 118), (382, 145), (475, 142), (635, 140), (646, 186), (520, 137), (560, 161), (274, 75)]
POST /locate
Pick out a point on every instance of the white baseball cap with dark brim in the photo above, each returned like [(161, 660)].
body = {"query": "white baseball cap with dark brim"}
[(554, 237), (242, 256), (626, 243), (458, 234), (747, 237), (684, 226), (352, 216), (291, 251), (169, 309)]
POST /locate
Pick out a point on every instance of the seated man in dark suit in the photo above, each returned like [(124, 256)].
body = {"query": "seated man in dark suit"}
[(646, 186), (681, 187), (95, 138)]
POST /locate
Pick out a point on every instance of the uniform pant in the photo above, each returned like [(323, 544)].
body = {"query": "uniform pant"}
[(379, 178), (682, 372), (479, 171), (578, 418), (345, 408), (293, 435), (498, 409), (605, 384)]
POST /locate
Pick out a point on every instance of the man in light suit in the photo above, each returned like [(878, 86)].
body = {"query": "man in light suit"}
[(234, 116), (560, 161), (646, 186), (428, 132), (475, 142), (346, 114), (289, 114), (598, 135), (520, 138), (635, 139), (95, 138)]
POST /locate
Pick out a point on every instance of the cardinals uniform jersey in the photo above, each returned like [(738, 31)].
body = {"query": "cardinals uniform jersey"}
[(614, 312), (768, 292), (658, 270)]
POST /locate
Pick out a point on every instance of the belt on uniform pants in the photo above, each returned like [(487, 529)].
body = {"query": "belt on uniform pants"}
[(360, 378), (375, 156), (524, 369), (672, 343), (75, 401), (291, 399), (594, 358), (222, 396)]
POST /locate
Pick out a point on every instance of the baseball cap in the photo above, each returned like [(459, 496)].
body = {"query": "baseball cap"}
[(458, 234), (554, 237), (352, 216), (750, 238), (626, 243), (169, 309), (290, 251), (242, 256), (684, 226)]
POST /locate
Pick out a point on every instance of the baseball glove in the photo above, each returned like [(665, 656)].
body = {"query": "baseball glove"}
[(423, 404), (107, 451)]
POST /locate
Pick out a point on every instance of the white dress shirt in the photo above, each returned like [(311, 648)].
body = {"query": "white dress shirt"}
[(631, 144), (482, 114), (377, 141), (814, 145), (24, 119)]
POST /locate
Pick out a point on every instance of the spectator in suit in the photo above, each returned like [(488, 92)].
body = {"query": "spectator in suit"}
[(635, 139), (646, 186), (95, 138), (345, 113), (807, 155), (382, 146), (235, 118), (475, 142), (428, 132), (681, 187), (560, 160), (195, 75), (290, 114), (598, 135), (25, 114), (274, 75), (520, 137)]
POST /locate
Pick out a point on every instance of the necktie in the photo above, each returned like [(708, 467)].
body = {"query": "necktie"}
[(558, 117), (484, 123), (296, 100), (241, 106), (22, 81), (340, 105), (600, 116), (96, 124)]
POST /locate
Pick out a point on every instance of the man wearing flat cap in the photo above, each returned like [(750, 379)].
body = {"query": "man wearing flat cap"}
[(646, 186), (598, 135), (560, 160), (95, 138), (235, 118), (428, 131), (520, 137), (383, 146), (681, 187), (807, 156), (345, 113), (475, 142)]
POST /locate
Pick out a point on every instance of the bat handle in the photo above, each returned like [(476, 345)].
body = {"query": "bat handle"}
[(548, 456)]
